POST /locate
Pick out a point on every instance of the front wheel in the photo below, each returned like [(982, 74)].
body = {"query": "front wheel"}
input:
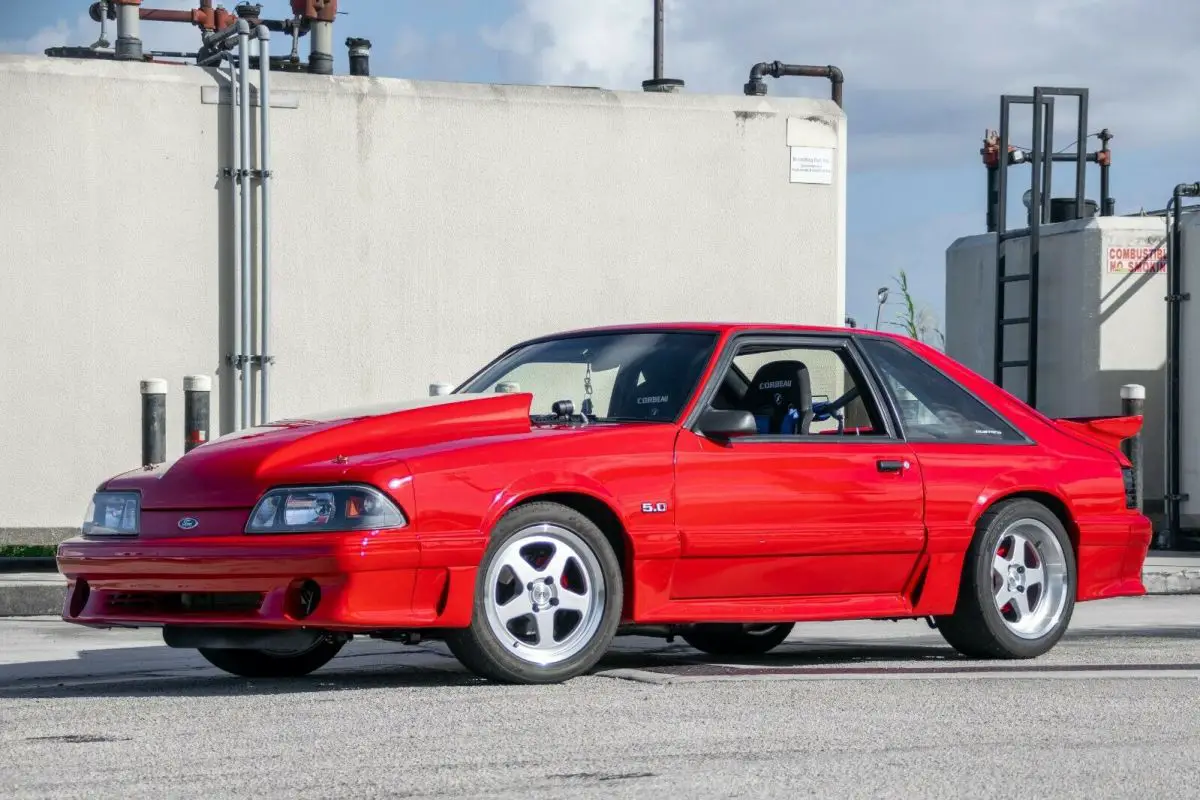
[(737, 639), (1018, 585), (274, 663), (547, 600)]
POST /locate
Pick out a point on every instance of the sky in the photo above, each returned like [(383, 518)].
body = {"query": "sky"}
[(923, 85)]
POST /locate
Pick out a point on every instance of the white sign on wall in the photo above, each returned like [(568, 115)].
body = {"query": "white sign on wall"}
[(812, 165)]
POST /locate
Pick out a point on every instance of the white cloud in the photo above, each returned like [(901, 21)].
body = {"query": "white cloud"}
[(923, 77), (81, 31)]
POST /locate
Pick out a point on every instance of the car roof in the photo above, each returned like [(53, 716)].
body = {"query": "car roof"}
[(724, 327)]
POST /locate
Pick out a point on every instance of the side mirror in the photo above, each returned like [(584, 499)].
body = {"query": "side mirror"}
[(719, 423), (440, 389)]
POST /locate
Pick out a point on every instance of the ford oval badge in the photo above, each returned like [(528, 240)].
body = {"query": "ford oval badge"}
[(187, 523)]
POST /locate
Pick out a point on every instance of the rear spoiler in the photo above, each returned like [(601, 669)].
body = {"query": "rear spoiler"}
[(1106, 431)]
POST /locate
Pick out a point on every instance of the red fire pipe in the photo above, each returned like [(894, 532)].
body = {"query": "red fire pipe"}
[(206, 16), (318, 10)]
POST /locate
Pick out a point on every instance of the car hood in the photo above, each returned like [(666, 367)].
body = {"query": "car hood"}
[(232, 471)]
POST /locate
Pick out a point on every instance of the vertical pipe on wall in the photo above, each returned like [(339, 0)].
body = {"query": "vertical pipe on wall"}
[(264, 233), (129, 41), (235, 362), (320, 54), (658, 39), (1104, 158), (1081, 137), (196, 425), (1035, 244), (1133, 404), (244, 189), (1173, 496), (154, 421)]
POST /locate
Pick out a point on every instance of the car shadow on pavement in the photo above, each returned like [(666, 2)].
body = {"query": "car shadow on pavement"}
[(158, 671)]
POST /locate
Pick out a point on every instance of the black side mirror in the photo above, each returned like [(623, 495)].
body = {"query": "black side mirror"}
[(719, 423)]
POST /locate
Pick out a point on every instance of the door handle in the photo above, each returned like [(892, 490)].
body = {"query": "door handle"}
[(891, 465)]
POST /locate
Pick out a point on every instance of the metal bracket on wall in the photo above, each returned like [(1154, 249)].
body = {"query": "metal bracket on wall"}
[(241, 174)]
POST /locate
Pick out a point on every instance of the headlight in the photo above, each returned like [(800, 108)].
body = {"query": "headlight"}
[(113, 514), (324, 508)]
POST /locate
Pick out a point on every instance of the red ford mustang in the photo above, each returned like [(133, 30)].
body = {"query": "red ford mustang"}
[(716, 482)]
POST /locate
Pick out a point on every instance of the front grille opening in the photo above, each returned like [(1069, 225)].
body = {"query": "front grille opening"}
[(183, 603)]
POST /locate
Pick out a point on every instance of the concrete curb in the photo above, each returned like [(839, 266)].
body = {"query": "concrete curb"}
[(1171, 580), (31, 598)]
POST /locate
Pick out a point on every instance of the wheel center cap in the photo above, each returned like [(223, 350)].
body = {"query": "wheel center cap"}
[(541, 593), (1016, 580)]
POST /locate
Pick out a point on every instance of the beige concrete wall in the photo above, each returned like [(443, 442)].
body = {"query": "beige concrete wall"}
[(1098, 329), (419, 229)]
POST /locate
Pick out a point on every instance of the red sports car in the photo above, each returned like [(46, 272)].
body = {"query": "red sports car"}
[(719, 482)]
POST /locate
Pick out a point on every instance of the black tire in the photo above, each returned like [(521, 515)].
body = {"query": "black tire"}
[(268, 664), (735, 639), (977, 629), (483, 653)]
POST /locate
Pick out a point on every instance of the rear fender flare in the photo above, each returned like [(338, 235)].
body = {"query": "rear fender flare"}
[(1019, 482)]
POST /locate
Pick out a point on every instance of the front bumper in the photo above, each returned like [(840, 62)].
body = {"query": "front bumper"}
[(365, 582)]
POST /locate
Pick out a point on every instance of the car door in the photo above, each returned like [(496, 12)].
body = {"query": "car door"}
[(811, 504)]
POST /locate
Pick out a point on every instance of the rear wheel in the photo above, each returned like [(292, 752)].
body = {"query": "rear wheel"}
[(736, 639), (1018, 586), (274, 663), (547, 600)]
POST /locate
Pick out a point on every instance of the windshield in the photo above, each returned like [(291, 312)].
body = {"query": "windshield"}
[(609, 377)]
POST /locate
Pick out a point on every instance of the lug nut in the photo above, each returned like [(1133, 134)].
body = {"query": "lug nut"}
[(549, 581)]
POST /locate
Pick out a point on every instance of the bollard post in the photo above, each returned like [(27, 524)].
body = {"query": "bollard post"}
[(154, 421), (1133, 404), (196, 394), (440, 389)]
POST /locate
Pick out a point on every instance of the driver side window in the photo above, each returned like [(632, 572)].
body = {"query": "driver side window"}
[(795, 390)]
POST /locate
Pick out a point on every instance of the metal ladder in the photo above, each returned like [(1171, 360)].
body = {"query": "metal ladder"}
[(999, 154)]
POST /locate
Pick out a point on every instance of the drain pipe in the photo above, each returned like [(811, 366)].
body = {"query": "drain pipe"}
[(1173, 496), (244, 197), (360, 56), (217, 47), (129, 42), (264, 233), (757, 86), (319, 14)]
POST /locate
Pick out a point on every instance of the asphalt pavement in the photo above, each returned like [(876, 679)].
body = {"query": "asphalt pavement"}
[(861, 709)]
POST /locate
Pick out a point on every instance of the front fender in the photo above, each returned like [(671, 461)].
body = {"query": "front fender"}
[(549, 482)]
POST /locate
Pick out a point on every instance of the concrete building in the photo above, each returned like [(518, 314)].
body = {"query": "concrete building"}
[(417, 229)]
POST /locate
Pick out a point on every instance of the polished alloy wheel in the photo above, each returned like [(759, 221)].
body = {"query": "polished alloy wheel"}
[(1029, 578), (545, 594)]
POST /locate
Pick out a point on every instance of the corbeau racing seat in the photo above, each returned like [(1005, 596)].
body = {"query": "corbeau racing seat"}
[(780, 398)]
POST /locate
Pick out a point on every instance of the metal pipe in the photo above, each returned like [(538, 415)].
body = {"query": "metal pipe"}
[(235, 110), (658, 39), (1104, 159), (320, 54), (1173, 496), (1048, 160), (196, 406), (1001, 254), (360, 56), (776, 69), (154, 421), (264, 233), (1035, 243), (1081, 137), (129, 43), (1133, 404), (244, 188)]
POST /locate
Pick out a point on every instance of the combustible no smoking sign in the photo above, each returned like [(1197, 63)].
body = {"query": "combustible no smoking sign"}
[(1137, 259)]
